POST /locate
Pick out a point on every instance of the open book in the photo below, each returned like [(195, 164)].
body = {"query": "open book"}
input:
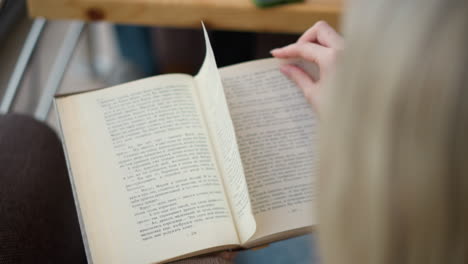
[(174, 166)]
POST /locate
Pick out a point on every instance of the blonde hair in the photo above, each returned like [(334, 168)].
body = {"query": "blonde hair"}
[(394, 137)]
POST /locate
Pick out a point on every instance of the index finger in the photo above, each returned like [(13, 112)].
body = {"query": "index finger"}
[(323, 34), (308, 51)]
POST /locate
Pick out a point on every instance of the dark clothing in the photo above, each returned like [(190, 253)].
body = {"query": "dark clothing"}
[(38, 221)]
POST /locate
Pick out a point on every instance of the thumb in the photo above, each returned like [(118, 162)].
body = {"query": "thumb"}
[(303, 81)]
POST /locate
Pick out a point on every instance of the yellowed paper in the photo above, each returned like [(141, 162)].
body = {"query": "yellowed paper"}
[(213, 101), (144, 171), (275, 131)]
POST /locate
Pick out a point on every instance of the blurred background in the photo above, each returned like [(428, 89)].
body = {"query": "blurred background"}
[(108, 54)]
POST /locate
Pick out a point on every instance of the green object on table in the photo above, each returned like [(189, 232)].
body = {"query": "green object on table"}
[(268, 3)]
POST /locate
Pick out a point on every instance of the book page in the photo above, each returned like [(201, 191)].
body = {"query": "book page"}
[(222, 135), (144, 171), (275, 129)]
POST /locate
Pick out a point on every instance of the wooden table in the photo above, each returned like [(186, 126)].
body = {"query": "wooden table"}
[(241, 15)]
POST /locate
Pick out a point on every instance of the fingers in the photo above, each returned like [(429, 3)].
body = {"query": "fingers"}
[(323, 34), (321, 45), (308, 51), (303, 80)]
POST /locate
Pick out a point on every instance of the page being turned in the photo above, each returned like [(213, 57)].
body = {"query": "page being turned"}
[(275, 131), (223, 137), (144, 170)]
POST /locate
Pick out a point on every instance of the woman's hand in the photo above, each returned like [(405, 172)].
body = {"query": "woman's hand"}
[(320, 44)]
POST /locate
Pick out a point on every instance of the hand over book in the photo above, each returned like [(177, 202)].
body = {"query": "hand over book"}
[(174, 166)]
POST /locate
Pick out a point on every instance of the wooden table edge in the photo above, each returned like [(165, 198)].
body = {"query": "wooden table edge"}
[(291, 18)]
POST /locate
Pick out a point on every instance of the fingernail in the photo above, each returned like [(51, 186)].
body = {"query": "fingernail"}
[(274, 50)]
